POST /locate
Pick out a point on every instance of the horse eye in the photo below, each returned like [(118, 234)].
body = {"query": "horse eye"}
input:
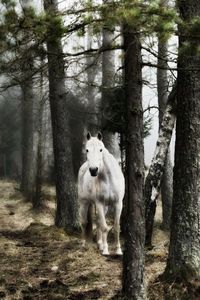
[(100, 150), (87, 150)]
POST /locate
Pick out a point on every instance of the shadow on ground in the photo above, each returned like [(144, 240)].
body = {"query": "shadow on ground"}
[(41, 262)]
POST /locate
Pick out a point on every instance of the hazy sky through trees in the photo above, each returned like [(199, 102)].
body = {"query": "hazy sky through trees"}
[(150, 98), (149, 74), (149, 93)]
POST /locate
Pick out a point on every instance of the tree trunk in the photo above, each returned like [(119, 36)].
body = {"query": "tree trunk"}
[(133, 260), (154, 177), (167, 192), (66, 192), (27, 180), (37, 201), (184, 251), (4, 166), (162, 86)]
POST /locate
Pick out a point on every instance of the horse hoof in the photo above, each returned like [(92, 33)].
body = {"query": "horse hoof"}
[(105, 253), (119, 252), (100, 247)]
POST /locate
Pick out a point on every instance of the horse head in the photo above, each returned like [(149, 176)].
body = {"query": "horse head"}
[(94, 152)]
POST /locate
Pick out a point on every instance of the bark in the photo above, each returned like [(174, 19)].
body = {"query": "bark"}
[(37, 200), (27, 180), (66, 192), (162, 86), (133, 259), (167, 192), (154, 177), (184, 251), (4, 166)]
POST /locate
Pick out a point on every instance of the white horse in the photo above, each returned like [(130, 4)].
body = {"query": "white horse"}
[(101, 182)]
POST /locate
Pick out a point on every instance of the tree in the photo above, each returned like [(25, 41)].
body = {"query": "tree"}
[(155, 174), (27, 180), (67, 210), (28, 176), (37, 199), (162, 87), (184, 251), (133, 260)]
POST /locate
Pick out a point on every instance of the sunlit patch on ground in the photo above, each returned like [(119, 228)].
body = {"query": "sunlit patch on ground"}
[(40, 261)]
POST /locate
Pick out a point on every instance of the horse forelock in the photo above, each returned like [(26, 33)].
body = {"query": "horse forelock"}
[(94, 142)]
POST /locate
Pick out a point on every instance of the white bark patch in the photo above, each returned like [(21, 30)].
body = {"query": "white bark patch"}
[(157, 165), (154, 177)]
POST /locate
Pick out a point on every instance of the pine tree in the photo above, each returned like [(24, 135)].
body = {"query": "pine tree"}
[(162, 88), (67, 210), (184, 251), (133, 260)]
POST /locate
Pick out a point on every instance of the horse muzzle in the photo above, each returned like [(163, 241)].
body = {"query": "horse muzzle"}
[(93, 172)]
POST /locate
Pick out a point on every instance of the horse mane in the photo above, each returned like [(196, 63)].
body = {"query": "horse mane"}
[(111, 162)]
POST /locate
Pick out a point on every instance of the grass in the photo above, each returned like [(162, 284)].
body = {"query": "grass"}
[(40, 261)]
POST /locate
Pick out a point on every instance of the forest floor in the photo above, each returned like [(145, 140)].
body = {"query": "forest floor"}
[(40, 261)]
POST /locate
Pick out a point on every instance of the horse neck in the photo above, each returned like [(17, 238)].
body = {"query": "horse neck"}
[(108, 159), (106, 155)]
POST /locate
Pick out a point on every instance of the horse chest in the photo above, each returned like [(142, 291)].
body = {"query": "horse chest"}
[(99, 188)]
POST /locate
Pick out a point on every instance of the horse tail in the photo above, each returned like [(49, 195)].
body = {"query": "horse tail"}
[(89, 227)]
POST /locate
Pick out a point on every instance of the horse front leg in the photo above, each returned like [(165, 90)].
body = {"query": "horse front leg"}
[(118, 210), (102, 231), (99, 237), (84, 206), (99, 234), (99, 231)]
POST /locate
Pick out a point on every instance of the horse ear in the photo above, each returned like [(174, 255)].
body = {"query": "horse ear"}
[(88, 136), (99, 136)]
